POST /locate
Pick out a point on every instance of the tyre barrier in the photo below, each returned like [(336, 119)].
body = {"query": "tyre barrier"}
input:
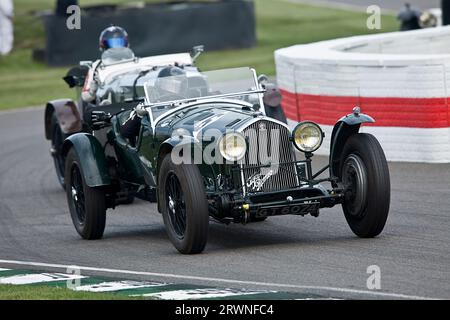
[(402, 79)]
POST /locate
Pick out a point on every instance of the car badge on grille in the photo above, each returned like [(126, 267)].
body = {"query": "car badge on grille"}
[(262, 126), (256, 181)]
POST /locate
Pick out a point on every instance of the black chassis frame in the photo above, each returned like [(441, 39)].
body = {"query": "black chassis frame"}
[(306, 198)]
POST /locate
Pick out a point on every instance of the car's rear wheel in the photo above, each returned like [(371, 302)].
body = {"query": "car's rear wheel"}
[(184, 206), (365, 175), (58, 158), (86, 205)]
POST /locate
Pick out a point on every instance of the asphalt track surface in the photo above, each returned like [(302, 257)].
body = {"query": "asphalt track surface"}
[(413, 252)]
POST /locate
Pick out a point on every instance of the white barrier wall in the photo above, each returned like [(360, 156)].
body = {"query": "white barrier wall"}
[(401, 79)]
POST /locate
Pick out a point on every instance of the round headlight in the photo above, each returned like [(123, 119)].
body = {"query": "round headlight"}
[(232, 146), (307, 136)]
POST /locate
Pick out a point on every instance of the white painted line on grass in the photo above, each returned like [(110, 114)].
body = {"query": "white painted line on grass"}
[(38, 278), (118, 286), (195, 294), (229, 281), (3, 269)]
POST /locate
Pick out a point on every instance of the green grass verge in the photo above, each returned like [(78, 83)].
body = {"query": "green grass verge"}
[(14, 292), (279, 24)]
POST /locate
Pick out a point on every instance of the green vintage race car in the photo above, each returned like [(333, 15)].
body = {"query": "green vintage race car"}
[(205, 149)]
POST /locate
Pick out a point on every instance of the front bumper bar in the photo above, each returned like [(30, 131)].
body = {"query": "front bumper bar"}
[(290, 206)]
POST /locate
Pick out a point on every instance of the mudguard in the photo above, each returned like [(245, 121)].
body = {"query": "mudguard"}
[(343, 129), (178, 142), (92, 158), (67, 114)]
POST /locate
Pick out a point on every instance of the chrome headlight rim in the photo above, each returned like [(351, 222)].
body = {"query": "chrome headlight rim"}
[(223, 151), (308, 149)]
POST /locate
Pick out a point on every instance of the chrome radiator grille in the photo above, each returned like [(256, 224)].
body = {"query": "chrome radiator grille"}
[(268, 143)]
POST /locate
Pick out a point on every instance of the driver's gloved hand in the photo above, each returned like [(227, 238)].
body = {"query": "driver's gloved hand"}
[(89, 93)]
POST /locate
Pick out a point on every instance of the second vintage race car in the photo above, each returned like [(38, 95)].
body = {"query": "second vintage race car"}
[(120, 76), (205, 148)]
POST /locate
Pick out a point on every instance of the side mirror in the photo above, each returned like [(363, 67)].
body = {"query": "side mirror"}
[(197, 51), (75, 77), (262, 79), (71, 81)]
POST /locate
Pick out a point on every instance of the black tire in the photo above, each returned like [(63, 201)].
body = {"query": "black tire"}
[(184, 206), (86, 205), (364, 170), (58, 158)]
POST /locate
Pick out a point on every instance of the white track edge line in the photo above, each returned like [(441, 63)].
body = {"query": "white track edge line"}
[(231, 281)]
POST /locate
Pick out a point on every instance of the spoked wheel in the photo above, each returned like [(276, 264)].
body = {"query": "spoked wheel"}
[(86, 205), (176, 205), (354, 177), (365, 175), (58, 159), (77, 193), (184, 206)]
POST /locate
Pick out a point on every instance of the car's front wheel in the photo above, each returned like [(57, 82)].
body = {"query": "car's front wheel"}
[(87, 205), (184, 206), (365, 176)]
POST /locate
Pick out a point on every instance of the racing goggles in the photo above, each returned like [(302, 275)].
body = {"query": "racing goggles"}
[(116, 43)]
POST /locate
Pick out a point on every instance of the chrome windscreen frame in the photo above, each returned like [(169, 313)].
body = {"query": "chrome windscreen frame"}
[(182, 103)]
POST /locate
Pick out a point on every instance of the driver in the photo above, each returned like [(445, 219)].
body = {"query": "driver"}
[(114, 46)]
